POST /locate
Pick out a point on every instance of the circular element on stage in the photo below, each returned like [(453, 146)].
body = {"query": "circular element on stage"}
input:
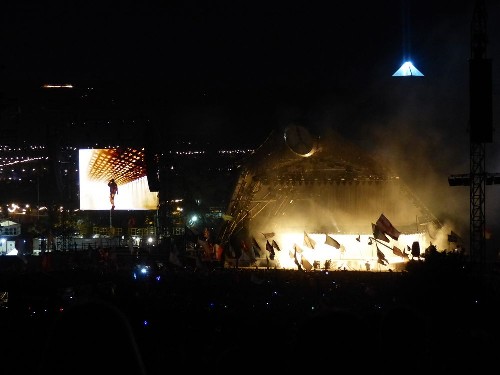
[(299, 140)]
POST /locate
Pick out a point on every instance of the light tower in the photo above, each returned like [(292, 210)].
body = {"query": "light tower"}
[(480, 132)]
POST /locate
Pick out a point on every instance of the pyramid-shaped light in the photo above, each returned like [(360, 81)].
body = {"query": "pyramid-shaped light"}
[(407, 69)]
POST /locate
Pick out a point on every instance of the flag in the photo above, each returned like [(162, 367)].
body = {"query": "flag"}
[(453, 237), (256, 251), (332, 242), (254, 242), (378, 234), (268, 235), (270, 248), (309, 242), (219, 250), (381, 257), (247, 250), (385, 226), (275, 245), (297, 248), (397, 251), (305, 263)]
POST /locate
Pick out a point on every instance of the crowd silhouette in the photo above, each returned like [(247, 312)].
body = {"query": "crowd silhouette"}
[(101, 312)]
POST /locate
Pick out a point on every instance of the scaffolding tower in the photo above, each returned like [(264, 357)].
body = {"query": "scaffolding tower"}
[(480, 133)]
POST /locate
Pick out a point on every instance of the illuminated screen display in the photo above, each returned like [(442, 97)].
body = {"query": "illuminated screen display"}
[(127, 168)]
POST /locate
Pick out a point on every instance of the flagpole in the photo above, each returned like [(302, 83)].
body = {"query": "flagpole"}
[(378, 241)]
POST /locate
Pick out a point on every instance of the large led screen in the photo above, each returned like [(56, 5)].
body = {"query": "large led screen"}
[(127, 168)]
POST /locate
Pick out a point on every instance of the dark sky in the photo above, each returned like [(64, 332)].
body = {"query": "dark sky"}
[(251, 65), (240, 69)]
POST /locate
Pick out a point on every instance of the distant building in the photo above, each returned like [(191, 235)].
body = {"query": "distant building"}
[(9, 231)]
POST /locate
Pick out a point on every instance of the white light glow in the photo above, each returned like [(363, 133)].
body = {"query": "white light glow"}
[(408, 70)]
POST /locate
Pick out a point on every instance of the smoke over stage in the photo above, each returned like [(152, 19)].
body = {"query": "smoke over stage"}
[(309, 202)]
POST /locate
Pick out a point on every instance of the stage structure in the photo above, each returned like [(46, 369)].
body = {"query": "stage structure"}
[(480, 133), (302, 199)]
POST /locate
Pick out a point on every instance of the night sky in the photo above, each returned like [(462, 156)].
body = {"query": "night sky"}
[(237, 70)]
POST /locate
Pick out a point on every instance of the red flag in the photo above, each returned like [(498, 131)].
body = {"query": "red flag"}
[(332, 242), (219, 249), (385, 226), (309, 242), (378, 234)]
